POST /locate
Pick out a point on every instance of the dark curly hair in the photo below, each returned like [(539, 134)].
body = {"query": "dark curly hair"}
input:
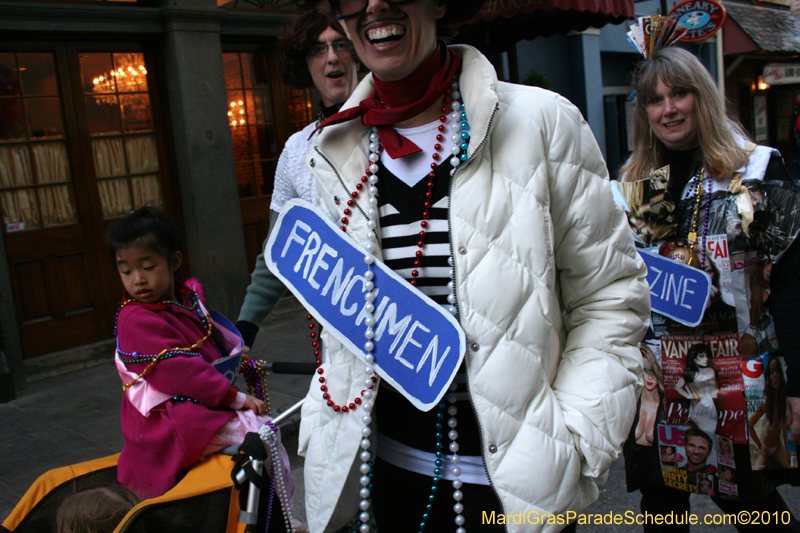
[(691, 370), (297, 37), (148, 227), (775, 404)]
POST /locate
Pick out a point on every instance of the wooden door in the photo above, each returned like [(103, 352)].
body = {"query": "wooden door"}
[(262, 113), (49, 239), (71, 159)]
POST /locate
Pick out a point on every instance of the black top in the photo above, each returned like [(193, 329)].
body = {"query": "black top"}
[(682, 166), (326, 112)]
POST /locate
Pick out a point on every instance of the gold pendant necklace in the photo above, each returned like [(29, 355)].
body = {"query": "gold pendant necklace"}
[(692, 237)]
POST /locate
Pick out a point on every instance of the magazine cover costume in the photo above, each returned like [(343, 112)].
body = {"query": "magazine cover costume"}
[(742, 225)]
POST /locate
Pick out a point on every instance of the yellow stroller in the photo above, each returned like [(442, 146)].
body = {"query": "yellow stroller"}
[(206, 500)]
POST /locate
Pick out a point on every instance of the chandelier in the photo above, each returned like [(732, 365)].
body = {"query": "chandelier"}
[(129, 76), (132, 80), (236, 114)]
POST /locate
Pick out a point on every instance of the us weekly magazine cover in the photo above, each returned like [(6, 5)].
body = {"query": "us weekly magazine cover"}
[(697, 461)]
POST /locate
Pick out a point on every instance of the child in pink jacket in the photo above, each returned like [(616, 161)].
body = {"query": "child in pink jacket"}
[(176, 407)]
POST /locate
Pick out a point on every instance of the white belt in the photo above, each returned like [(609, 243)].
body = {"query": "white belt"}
[(408, 458)]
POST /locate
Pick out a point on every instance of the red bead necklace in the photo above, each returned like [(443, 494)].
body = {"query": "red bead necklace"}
[(365, 179), (344, 408)]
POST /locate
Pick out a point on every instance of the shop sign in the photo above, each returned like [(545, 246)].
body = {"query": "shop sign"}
[(777, 74), (703, 18)]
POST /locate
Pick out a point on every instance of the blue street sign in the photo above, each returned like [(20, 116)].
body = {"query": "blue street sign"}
[(677, 291), (418, 345)]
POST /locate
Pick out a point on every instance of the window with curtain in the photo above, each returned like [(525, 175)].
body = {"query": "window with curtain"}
[(252, 122), (121, 127), (36, 188)]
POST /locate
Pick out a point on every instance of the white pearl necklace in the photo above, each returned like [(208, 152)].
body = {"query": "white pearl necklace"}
[(269, 436), (459, 127)]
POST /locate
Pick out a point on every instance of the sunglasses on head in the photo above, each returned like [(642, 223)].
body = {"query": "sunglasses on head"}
[(345, 9)]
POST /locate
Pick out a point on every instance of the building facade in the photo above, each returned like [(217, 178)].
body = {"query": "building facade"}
[(753, 59), (108, 106)]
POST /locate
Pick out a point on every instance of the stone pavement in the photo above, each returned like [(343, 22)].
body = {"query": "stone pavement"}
[(75, 417)]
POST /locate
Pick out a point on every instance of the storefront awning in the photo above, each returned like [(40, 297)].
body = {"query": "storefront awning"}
[(504, 22), (753, 28)]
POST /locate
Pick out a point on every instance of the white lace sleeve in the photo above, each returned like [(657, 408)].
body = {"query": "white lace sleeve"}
[(292, 178)]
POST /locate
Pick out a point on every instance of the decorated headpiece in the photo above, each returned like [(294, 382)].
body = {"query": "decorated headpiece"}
[(652, 33)]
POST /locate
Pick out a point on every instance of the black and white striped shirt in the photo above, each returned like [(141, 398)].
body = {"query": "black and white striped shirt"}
[(400, 208)]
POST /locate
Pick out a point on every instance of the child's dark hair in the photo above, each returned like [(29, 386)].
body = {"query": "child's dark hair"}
[(95, 510), (148, 227)]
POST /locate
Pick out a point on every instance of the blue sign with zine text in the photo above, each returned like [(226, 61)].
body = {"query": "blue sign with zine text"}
[(677, 291), (418, 345)]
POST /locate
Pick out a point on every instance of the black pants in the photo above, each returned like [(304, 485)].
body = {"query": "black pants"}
[(399, 498), (663, 500)]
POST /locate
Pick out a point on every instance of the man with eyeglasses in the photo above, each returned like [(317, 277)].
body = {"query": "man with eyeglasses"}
[(313, 51)]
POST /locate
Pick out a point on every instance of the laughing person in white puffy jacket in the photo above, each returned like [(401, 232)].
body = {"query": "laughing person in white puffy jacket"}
[(500, 210)]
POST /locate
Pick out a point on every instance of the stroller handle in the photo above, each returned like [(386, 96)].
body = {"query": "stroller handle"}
[(287, 413), (306, 369)]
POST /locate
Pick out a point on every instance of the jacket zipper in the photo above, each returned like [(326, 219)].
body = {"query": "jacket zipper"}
[(450, 194), (455, 303), (341, 181)]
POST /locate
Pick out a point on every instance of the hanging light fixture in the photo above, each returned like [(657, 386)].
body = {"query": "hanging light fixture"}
[(127, 78), (236, 114)]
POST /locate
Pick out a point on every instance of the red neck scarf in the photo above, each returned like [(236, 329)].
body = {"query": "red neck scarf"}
[(397, 101)]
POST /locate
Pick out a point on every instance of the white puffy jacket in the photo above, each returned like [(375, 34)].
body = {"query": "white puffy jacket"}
[(551, 294)]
